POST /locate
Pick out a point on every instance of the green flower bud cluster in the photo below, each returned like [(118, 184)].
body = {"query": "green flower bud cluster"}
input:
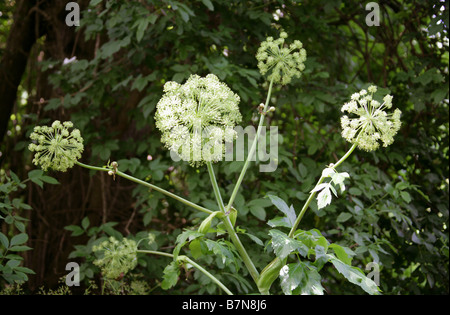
[(56, 147), (284, 62), (197, 117), (372, 124), (118, 257)]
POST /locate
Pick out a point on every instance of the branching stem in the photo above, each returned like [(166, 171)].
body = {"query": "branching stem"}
[(186, 259), (138, 181)]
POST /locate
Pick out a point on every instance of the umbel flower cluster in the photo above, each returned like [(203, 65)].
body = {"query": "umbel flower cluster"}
[(56, 147), (196, 118), (281, 61), (372, 123), (118, 257)]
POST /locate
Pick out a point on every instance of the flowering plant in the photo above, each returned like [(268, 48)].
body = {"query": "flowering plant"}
[(196, 119), (283, 63), (56, 147), (117, 257), (373, 123)]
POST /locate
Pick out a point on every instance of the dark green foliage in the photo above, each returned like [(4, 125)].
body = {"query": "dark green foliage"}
[(395, 209)]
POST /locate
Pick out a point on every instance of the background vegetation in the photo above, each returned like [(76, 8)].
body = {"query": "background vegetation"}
[(395, 212)]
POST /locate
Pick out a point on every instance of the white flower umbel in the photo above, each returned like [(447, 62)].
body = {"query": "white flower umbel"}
[(281, 61), (197, 117), (368, 123), (118, 257), (56, 147), (368, 126)]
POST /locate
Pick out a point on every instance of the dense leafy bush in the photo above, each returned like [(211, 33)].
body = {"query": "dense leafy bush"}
[(394, 211)]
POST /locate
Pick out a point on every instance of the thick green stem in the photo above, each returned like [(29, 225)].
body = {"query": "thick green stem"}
[(252, 150), (212, 177), (235, 239), (312, 195), (229, 227), (138, 181), (193, 263)]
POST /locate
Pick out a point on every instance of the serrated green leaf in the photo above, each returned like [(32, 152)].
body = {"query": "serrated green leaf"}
[(355, 276), (76, 230), (85, 223), (208, 4), (5, 205), (355, 191), (279, 221), (312, 239), (320, 187), (4, 240), (303, 170), (49, 180), (221, 249), (196, 248), (279, 203), (283, 207), (324, 198), (255, 239), (95, 2), (13, 263), (405, 196), (110, 48), (24, 270), (352, 274), (14, 256), (183, 238), (284, 245), (344, 216), (9, 219), (18, 239), (343, 253), (171, 274), (14, 177), (298, 278), (38, 182), (139, 83), (142, 27), (19, 248), (35, 174), (258, 212), (263, 203), (17, 277)]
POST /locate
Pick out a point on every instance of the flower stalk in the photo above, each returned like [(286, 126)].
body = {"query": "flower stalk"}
[(229, 226), (151, 186), (313, 193), (227, 223), (371, 125), (183, 258), (252, 149)]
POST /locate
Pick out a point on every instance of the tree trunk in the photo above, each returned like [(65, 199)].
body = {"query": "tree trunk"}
[(21, 38)]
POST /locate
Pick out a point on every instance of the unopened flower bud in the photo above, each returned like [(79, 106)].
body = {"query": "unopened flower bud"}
[(282, 61)]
